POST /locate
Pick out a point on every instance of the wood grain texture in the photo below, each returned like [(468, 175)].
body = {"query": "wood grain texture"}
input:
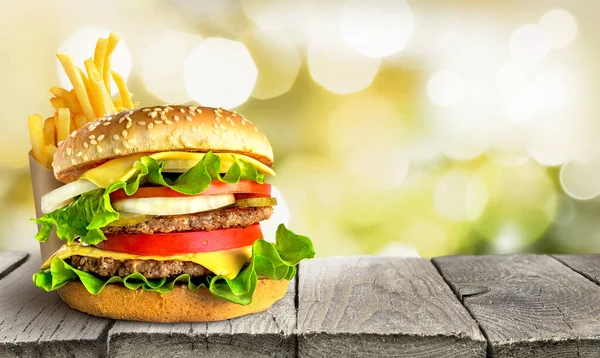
[(265, 334), (381, 307), (35, 323), (586, 265), (528, 305), (10, 260)]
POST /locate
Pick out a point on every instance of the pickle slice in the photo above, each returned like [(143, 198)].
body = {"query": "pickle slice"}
[(255, 202), (129, 219)]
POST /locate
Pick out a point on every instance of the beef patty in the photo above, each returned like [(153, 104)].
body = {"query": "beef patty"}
[(206, 221), (106, 266)]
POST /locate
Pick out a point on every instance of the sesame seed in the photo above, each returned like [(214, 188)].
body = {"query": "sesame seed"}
[(217, 113), (168, 121), (60, 143), (158, 121), (181, 110), (142, 123), (153, 114), (188, 118), (92, 137), (194, 129), (234, 114), (163, 117), (93, 142), (122, 120), (222, 126), (202, 124), (125, 144), (116, 137), (85, 157), (99, 149), (117, 150), (256, 129), (150, 125), (223, 134), (69, 150), (198, 110), (73, 133), (192, 108), (73, 161), (107, 124), (100, 137), (191, 113), (158, 109), (124, 133), (131, 141), (130, 113), (216, 125), (176, 118), (146, 110), (128, 125), (218, 119), (79, 154), (85, 145)]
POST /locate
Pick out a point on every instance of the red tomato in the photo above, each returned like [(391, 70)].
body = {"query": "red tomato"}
[(215, 188), (182, 242)]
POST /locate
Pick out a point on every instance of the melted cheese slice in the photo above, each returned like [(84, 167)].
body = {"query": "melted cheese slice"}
[(227, 263), (123, 168)]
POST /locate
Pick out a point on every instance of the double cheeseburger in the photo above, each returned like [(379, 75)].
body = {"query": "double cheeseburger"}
[(161, 215)]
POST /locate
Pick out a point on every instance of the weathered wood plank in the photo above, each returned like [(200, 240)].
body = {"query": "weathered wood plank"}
[(265, 334), (35, 323), (587, 265), (528, 305), (10, 260), (381, 307)]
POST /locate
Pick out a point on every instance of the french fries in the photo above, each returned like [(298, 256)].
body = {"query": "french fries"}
[(89, 99), (49, 131), (125, 97), (78, 83), (36, 136), (63, 124), (102, 102)]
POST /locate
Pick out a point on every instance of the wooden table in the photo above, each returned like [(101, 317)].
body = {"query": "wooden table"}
[(461, 306)]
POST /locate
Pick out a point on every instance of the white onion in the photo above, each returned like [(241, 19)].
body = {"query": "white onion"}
[(58, 197), (174, 206)]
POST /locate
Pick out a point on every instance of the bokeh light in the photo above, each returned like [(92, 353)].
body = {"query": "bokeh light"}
[(377, 28), (81, 44), (281, 215), (528, 44), (560, 28), (337, 67), (373, 135), (163, 65), (580, 179), (398, 249), (460, 196), (277, 60), (445, 88), (220, 73)]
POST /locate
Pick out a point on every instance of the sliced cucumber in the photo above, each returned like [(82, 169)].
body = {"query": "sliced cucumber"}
[(255, 202), (126, 219)]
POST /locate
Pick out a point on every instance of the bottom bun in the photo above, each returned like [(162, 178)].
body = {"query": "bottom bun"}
[(180, 305)]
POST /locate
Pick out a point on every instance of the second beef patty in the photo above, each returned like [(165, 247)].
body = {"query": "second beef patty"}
[(207, 221)]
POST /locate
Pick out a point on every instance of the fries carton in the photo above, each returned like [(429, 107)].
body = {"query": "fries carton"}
[(43, 181)]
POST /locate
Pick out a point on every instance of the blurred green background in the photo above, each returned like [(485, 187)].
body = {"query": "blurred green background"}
[(399, 128)]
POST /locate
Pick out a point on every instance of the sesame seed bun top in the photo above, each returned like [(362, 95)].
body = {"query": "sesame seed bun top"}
[(159, 129)]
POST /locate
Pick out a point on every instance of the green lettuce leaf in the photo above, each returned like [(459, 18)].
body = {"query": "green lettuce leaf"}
[(275, 261), (88, 213)]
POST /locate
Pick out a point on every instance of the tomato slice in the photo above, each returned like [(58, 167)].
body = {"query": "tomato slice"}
[(215, 188), (182, 242)]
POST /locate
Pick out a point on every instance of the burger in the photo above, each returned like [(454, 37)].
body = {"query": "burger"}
[(161, 212)]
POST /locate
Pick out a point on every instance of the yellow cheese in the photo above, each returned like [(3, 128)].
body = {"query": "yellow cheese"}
[(227, 263), (123, 168)]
